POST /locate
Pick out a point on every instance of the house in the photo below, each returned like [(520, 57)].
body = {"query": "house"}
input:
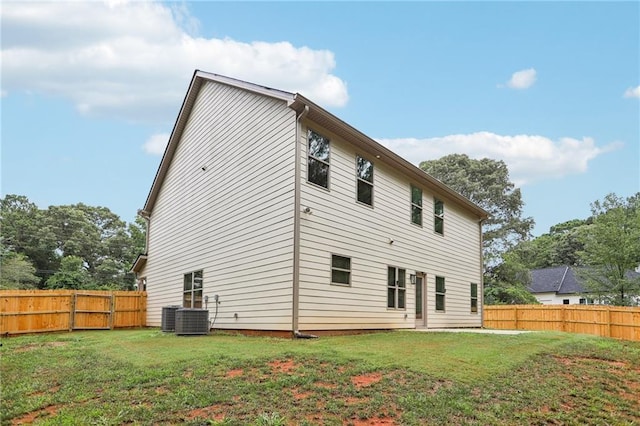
[(275, 215), (556, 286), (563, 285)]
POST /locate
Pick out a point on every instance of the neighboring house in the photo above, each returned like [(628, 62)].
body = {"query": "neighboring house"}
[(562, 285), (557, 286), (295, 221)]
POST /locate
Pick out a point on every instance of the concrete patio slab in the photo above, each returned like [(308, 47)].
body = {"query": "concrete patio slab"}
[(471, 330)]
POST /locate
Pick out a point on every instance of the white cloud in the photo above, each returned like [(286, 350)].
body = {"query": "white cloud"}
[(529, 158), (156, 144), (522, 79), (134, 59), (632, 92)]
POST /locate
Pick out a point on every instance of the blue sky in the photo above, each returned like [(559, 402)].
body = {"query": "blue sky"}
[(90, 90)]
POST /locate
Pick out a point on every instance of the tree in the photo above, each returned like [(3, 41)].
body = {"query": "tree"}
[(97, 236), (17, 271), (507, 283), (138, 233), (72, 275), (486, 183), (25, 231), (561, 246), (612, 250), (106, 245)]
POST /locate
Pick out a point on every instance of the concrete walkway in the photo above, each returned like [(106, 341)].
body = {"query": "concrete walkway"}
[(470, 330)]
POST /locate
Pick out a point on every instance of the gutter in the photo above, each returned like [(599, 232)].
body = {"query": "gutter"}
[(296, 226)]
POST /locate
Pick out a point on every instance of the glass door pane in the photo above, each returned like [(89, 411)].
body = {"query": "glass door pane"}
[(419, 298)]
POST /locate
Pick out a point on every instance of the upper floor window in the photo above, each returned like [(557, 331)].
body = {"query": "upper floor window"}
[(192, 291), (416, 205), (318, 161), (438, 216), (364, 177), (340, 269), (440, 293), (396, 288)]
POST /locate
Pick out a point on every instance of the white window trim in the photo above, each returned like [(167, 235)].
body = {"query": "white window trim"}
[(366, 182), (350, 271), (327, 162), (443, 294), (412, 204), (438, 216), (397, 288)]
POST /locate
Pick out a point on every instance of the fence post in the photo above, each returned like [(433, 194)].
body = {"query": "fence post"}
[(608, 321), (564, 318), (72, 311), (141, 303), (112, 308), (515, 311)]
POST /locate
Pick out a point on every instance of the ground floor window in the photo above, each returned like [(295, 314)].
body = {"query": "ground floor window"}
[(565, 301), (396, 288), (340, 269), (192, 290), (474, 297), (440, 292)]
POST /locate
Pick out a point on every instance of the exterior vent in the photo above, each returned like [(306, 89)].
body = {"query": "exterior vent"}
[(192, 321), (169, 317)]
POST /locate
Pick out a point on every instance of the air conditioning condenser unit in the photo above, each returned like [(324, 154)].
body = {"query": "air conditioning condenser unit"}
[(192, 321)]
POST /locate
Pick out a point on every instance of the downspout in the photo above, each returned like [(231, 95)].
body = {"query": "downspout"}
[(296, 225), (481, 289)]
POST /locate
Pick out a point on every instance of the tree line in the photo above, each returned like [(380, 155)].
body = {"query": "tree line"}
[(69, 246), (604, 248)]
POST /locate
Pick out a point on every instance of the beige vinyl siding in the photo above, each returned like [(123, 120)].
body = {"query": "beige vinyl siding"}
[(338, 224), (233, 220)]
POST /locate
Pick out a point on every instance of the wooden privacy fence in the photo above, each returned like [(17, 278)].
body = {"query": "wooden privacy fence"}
[(608, 321), (38, 311)]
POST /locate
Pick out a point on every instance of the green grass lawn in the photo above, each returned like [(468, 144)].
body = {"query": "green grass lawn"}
[(401, 378)]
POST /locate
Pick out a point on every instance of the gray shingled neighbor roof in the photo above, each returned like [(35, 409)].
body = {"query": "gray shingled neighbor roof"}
[(561, 280)]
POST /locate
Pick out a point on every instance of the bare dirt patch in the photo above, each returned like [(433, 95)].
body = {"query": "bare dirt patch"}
[(315, 418), (285, 366), (325, 385), (54, 389), (29, 418), (365, 380), (297, 395), (354, 400), (573, 361), (373, 421), (213, 412), (161, 390), (234, 373)]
